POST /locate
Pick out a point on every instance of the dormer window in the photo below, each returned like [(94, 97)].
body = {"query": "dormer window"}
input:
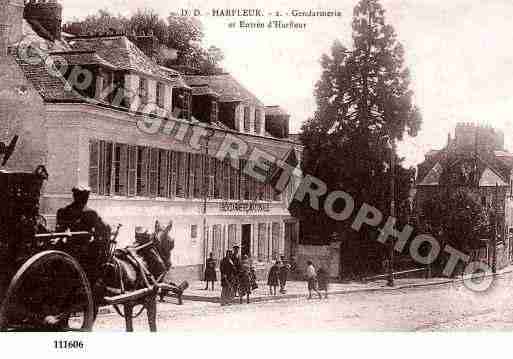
[(143, 90), (246, 119), (182, 103), (258, 121), (213, 114), (161, 91)]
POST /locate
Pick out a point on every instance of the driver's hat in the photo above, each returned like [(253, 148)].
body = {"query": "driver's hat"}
[(81, 188), (140, 230)]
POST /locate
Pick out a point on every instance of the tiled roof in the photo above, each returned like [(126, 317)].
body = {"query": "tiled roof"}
[(228, 88), (82, 58), (49, 86), (275, 111), (122, 53)]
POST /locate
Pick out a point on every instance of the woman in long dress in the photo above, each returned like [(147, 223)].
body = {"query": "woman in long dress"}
[(245, 277), (210, 271)]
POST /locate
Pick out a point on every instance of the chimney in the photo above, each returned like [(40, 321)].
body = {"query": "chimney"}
[(146, 43), (48, 14), (11, 18)]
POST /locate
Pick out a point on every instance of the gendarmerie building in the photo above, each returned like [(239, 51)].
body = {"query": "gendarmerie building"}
[(81, 119)]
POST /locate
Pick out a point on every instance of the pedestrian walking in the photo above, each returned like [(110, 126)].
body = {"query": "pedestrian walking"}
[(273, 278), (284, 274), (323, 281), (245, 279), (228, 274), (311, 277), (210, 271)]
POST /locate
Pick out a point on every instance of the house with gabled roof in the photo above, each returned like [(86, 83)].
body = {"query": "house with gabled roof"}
[(474, 160), (77, 104)]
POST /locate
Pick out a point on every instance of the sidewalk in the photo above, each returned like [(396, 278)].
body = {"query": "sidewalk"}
[(297, 289), (196, 296)]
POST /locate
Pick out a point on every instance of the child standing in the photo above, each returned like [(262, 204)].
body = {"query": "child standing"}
[(273, 277), (311, 277)]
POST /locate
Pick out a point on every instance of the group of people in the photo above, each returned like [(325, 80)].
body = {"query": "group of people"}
[(237, 275), (277, 276)]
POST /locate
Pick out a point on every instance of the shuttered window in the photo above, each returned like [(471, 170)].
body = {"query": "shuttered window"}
[(132, 170), (181, 189), (211, 178), (161, 90), (142, 170), (173, 173), (154, 169), (244, 185), (218, 181), (120, 169), (198, 169), (275, 232), (246, 119), (104, 167), (163, 173), (227, 181), (94, 164), (234, 183), (258, 122), (217, 248), (232, 235), (262, 242), (191, 158)]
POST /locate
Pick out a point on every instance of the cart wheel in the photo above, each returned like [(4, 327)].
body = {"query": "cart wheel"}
[(50, 292)]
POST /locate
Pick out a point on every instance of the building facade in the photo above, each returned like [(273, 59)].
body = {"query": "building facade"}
[(475, 161), (114, 119)]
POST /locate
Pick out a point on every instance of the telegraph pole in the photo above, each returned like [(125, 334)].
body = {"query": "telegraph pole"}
[(390, 282)]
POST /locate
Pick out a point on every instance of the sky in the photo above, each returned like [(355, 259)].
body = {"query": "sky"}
[(459, 53)]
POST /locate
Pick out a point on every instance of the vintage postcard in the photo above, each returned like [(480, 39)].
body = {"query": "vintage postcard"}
[(255, 166)]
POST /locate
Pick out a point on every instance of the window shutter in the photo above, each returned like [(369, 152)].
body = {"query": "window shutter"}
[(234, 183), (276, 239), (192, 174), (181, 190), (132, 170), (246, 119), (94, 164), (198, 188), (142, 171), (258, 123), (123, 177), (172, 175), (154, 169), (262, 250), (226, 175), (163, 173), (107, 169), (218, 185), (211, 177)]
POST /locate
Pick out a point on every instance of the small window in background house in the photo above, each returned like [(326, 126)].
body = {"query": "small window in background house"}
[(194, 231), (246, 119), (143, 90), (160, 94)]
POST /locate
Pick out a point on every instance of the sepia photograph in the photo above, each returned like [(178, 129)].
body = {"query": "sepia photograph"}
[(255, 166)]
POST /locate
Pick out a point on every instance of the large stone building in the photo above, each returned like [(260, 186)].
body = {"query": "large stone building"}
[(474, 160), (82, 119)]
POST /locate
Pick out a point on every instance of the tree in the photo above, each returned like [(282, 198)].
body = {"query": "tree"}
[(182, 35), (364, 103), (457, 218)]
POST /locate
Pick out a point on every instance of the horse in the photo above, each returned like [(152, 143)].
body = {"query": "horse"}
[(138, 267)]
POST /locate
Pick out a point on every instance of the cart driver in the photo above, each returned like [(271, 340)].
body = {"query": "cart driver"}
[(78, 217)]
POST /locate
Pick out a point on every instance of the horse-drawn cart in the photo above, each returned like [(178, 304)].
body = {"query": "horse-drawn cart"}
[(57, 281)]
